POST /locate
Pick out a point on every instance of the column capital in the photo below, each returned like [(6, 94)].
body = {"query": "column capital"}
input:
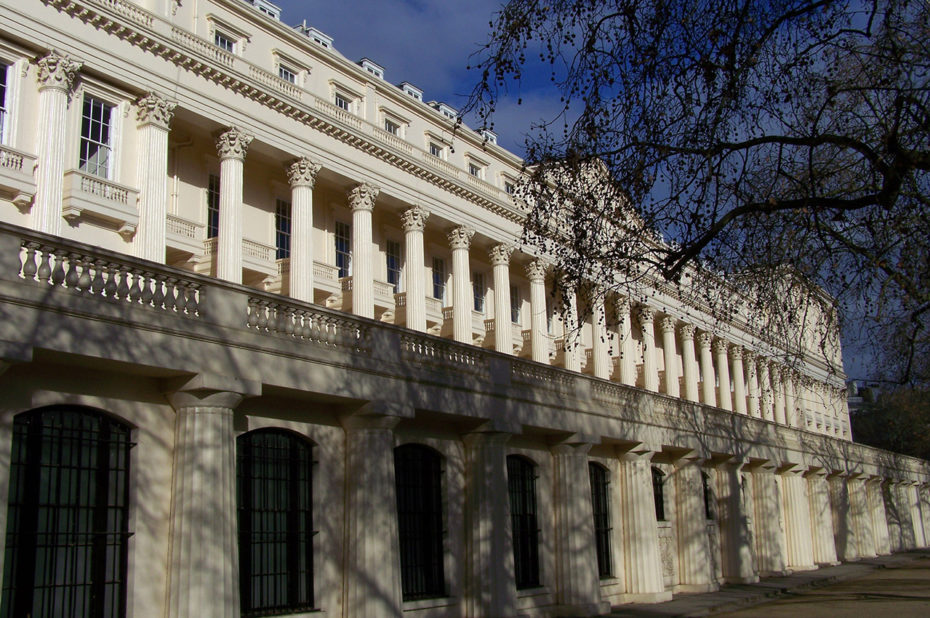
[(646, 314), (232, 143), (500, 254), (720, 346), (736, 352), (775, 374), (536, 270), (668, 324), (152, 109), (705, 340), (622, 306), (363, 196), (460, 237), (687, 332), (414, 219), (57, 71), (209, 391), (302, 172)]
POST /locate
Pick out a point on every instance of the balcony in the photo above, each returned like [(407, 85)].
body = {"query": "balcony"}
[(17, 180), (184, 234), (89, 197)]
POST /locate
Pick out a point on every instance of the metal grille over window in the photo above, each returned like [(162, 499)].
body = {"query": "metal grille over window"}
[(418, 474), (600, 502), (95, 137), (282, 229), (658, 492), (213, 206), (343, 237), (275, 498), (521, 482), (68, 517)]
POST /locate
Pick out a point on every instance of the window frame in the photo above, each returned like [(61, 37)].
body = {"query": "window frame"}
[(344, 269), (6, 97), (524, 517), (212, 195), (398, 270), (439, 279), (282, 229), (516, 304), (599, 477), (479, 292), (89, 163)]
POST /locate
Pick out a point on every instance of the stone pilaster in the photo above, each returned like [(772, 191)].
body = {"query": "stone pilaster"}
[(650, 366), (599, 342), (642, 565), (491, 587), (879, 516), (572, 342), (778, 394), (414, 220), (861, 515), (503, 329), (672, 385), (749, 362), (539, 340), (769, 537), (362, 201), (232, 146), (708, 380), (203, 553), (736, 550), (694, 560), (739, 381), (844, 529), (154, 115), (724, 399), (56, 73), (688, 362), (798, 521), (460, 241), (372, 565), (577, 585), (625, 334), (821, 515), (301, 174)]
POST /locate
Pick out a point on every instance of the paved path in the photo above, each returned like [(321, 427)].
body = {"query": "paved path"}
[(897, 586)]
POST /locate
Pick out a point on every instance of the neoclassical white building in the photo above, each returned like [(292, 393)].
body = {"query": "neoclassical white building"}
[(267, 347)]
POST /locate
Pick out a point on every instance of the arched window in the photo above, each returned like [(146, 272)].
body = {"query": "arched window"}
[(708, 495), (600, 502), (274, 491), (68, 517), (658, 492), (418, 478), (521, 482)]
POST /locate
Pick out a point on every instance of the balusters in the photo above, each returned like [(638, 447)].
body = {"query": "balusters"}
[(45, 269), (58, 273), (29, 263), (97, 285)]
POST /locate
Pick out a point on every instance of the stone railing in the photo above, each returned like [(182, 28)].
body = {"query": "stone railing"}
[(444, 355), (325, 272), (258, 251), (333, 111), (202, 46), (182, 228), (127, 10), (301, 322), (273, 81), (16, 161)]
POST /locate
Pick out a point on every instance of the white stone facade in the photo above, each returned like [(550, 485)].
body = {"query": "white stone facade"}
[(216, 230)]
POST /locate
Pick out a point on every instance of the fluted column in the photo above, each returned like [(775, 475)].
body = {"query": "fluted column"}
[(301, 174), (688, 362), (362, 201), (643, 567), (232, 146), (503, 329), (769, 527), (736, 551), (923, 492), (154, 115), (791, 400), (491, 585), (672, 386), (600, 346), (902, 501), (739, 382), (778, 395), (752, 384), (694, 560), (766, 400), (460, 241), (724, 399), (821, 515), (539, 330), (578, 587), (372, 565), (414, 220), (798, 521), (572, 341), (844, 527), (913, 498), (55, 75), (650, 367), (861, 518), (708, 381), (625, 334), (203, 553), (879, 516)]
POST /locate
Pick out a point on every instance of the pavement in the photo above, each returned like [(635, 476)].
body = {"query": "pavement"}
[(897, 585)]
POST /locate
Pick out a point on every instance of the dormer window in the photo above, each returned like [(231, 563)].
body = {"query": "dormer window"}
[(268, 9), (449, 112), (412, 91), (318, 37), (489, 136), (373, 68)]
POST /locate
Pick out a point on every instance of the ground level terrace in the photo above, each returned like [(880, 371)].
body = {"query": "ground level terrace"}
[(172, 444)]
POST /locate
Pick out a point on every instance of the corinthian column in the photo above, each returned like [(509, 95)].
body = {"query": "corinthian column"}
[(539, 342), (625, 333), (844, 526), (56, 78), (414, 220), (672, 387), (739, 382), (688, 362), (778, 392), (460, 241), (572, 341), (765, 389), (708, 386), (503, 330), (723, 375), (301, 173), (232, 146), (153, 114), (643, 568), (599, 344), (650, 369), (362, 202)]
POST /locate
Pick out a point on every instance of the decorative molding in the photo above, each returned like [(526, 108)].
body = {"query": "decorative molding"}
[(233, 143), (156, 110), (536, 270), (57, 71), (668, 324), (646, 314), (302, 172), (414, 219), (500, 254), (720, 346), (460, 237), (687, 332), (363, 196)]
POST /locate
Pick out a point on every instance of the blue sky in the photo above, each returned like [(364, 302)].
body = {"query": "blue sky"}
[(425, 42)]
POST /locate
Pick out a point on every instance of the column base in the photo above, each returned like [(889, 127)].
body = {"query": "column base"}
[(780, 573), (802, 567), (746, 579), (709, 587), (584, 609), (646, 597), (830, 563)]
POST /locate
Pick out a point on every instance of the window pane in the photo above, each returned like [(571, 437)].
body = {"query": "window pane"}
[(477, 282), (213, 206), (418, 477), (3, 102), (439, 279), (282, 229), (343, 238), (392, 253), (95, 137)]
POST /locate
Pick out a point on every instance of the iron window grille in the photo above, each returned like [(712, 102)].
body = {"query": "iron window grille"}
[(282, 229), (521, 483), (213, 206), (68, 515), (274, 473), (600, 502), (418, 478), (708, 495), (96, 119), (343, 239), (658, 492)]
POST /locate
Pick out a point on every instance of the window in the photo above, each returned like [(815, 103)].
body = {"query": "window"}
[(224, 41), (474, 170), (213, 206), (418, 478), (658, 492), (282, 229), (708, 496), (412, 91), (509, 187), (600, 503), (4, 104), (436, 150), (515, 304), (439, 279), (95, 137), (343, 248), (392, 255), (521, 484), (477, 285), (274, 494), (68, 517), (391, 127), (288, 75), (343, 102)]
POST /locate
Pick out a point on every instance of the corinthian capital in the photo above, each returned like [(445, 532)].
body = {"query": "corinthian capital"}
[(687, 332), (646, 314), (705, 340), (720, 346), (57, 71), (363, 196), (302, 172), (736, 352), (536, 271), (414, 219), (500, 254), (155, 110), (668, 324), (233, 143), (460, 237)]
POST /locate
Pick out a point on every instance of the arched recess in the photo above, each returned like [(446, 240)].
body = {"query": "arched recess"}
[(524, 520)]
